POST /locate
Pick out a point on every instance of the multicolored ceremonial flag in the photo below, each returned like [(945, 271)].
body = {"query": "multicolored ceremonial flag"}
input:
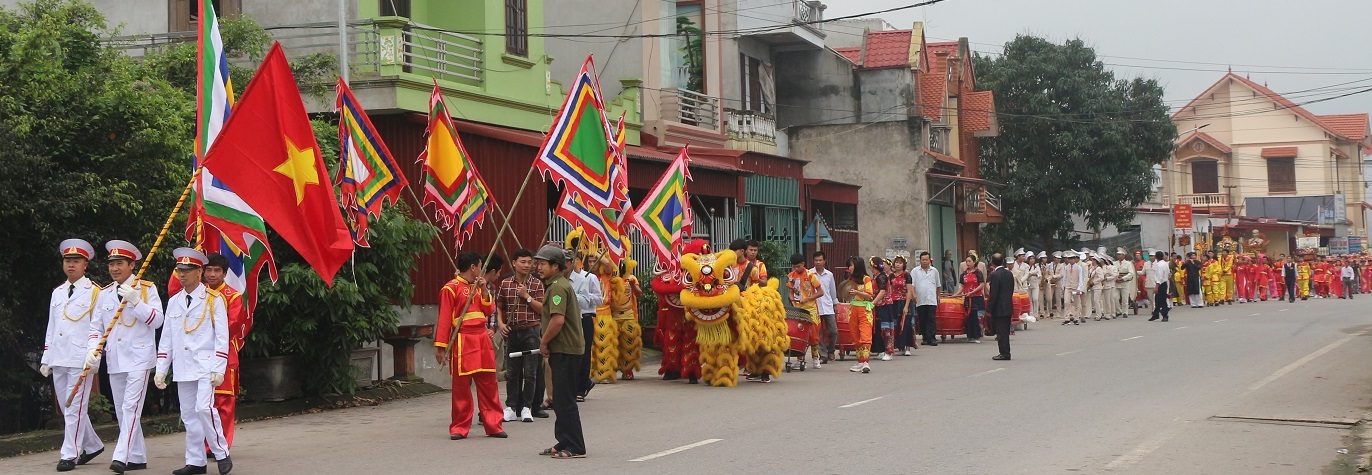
[(218, 216), (579, 152), (664, 216), (591, 219), (368, 174), (451, 182), (623, 211)]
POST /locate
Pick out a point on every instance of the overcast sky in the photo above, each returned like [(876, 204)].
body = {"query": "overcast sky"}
[(1290, 45)]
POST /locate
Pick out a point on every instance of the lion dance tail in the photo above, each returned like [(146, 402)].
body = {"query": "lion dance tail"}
[(605, 348), (630, 343)]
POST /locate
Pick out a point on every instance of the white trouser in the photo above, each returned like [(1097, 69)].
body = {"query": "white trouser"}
[(1126, 295), (1088, 302), (1057, 301), (1071, 304), (129, 391), (202, 421), (77, 434), (1196, 300), (1035, 294), (1108, 302)]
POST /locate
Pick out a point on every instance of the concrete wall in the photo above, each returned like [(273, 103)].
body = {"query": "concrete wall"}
[(129, 17), (886, 94), (271, 13), (885, 159), (815, 87), (615, 59)]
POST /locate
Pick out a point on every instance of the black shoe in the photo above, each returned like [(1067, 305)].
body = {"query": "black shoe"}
[(456, 437), (1164, 320), (137, 466), (671, 376), (118, 467), (225, 466), (66, 465), (1001, 357), (499, 435), (693, 380), (1152, 319), (191, 470), (541, 414), (86, 458)]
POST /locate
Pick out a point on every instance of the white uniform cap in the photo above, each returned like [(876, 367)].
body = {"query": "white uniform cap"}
[(1057, 254), (1019, 252), (187, 258), (123, 250), (1070, 254), (76, 248), (1120, 250), (1043, 254)]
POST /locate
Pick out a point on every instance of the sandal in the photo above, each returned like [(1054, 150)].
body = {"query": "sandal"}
[(549, 451), (563, 454), (581, 399)]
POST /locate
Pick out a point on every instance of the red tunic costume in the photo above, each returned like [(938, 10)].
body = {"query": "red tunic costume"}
[(1264, 280), (1278, 280), (676, 334), (1319, 278), (226, 394), (471, 357)]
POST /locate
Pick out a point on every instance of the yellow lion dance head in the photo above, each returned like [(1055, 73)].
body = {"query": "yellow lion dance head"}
[(710, 289)]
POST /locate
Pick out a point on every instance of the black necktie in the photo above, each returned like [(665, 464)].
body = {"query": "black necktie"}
[(188, 301), (71, 290)]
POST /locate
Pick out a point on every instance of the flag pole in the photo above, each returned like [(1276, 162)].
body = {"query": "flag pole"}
[(147, 259), (426, 220)]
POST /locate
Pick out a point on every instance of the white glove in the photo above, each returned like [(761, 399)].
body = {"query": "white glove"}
[(126, 292), (45, 370), (93, 359), (160, 380), (216, 379)]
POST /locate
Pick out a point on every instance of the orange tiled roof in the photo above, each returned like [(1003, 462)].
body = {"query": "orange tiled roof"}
[(1279, 152), (1207, 138), (933, 94), (1272, 95), (951, 160), (887, 49), (977, 109), (853, 54), (1353, 126)]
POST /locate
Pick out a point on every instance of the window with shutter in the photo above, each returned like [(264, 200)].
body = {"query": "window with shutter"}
[(1281, 175), (1205, 176)]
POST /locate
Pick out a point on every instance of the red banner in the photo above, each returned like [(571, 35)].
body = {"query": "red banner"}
[(1181, 216)]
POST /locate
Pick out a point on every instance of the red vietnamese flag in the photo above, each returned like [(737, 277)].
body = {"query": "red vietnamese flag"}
[(267, 153)]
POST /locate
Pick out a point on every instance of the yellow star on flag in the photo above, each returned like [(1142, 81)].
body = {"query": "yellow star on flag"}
[(299, 167)]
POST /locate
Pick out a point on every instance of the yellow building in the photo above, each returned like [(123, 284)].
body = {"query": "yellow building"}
[(1239, 139)]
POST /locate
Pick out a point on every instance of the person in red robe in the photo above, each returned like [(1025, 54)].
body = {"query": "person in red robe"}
[(469, 351), (226, 394), (1279, 278), (1264, 284)]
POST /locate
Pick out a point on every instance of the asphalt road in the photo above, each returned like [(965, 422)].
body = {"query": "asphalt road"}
[(1124, 396)]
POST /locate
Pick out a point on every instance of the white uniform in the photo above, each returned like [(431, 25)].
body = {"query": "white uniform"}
[(1127, 286), (1097, 276), (1035, 284), (1108, 294), (64, 351), (1073, 289), (1021, 274), (195, 345), (130, 352), (1061, 290)]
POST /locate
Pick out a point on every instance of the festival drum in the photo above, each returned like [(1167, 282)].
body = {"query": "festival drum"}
[(798, 328), (951, 317), (844, 316), (1019, 302)]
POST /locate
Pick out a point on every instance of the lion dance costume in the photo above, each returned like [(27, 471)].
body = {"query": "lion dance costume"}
[(676, 334), (733, 324), (624, 309), (618, 340)]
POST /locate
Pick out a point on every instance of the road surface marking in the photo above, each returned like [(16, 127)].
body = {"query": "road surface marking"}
[(683, 448), (1221, 320), (1142, 450), (1132, 338), (859, 403), (1283, 310), (1254, 315), (1179, 328), (1068, 353), (1301, 362), (984, 373)]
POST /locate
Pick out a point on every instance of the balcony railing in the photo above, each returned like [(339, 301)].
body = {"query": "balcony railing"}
[(691, 108), (1204, 199), (808, 13), (750, 125), (381, 47)]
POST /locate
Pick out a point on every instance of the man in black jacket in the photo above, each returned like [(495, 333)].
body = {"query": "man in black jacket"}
[(999, 304), (1288, 270)]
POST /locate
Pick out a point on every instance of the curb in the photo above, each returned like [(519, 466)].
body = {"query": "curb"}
[(48, 440)]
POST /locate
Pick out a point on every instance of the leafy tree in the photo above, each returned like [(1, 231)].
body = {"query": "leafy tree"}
[(91, 148), (1074, 139)]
